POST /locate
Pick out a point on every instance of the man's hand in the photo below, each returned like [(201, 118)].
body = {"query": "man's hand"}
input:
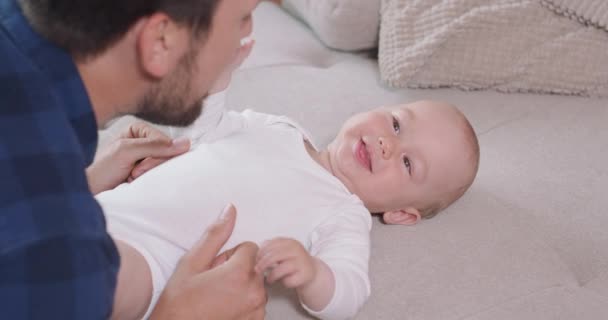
[(115, 163), (204, 286), (287, 261)]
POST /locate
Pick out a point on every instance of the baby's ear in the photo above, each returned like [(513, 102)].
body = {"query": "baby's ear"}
[(407, 217)]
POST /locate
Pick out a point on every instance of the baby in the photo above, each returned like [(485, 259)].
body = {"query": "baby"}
[(308, 208)]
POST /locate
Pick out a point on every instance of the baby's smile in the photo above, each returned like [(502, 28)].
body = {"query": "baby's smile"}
[(362, 155)]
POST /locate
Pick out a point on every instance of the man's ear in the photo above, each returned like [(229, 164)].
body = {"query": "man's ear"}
[(160, 45), (407, 217)]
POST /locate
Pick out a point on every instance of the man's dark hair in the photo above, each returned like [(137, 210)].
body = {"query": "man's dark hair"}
[(86, 28)]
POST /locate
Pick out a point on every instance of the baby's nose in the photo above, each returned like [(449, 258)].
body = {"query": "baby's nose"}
[(386, 146)]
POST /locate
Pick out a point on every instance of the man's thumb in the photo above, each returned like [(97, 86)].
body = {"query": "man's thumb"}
[(204, 251)]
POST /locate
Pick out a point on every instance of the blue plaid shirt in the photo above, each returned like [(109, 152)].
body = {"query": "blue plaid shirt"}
[(56, 258)]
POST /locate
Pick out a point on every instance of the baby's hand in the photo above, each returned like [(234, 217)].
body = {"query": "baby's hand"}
[(287, 261), (222, 82)]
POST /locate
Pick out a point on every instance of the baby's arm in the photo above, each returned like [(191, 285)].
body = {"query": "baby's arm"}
[(332, 281), (343, 244)]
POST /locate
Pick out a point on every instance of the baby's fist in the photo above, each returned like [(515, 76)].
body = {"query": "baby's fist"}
[(286, 260)]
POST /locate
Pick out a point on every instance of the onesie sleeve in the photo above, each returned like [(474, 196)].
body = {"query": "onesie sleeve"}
[(343, 243)]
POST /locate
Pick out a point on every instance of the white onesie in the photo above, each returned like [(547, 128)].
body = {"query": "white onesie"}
[(259, 163)]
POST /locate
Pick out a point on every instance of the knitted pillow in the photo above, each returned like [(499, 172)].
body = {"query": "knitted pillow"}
[(508, 45)]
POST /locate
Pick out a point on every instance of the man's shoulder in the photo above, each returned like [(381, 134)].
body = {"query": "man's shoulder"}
[(43, 186), (31, 114), (22, 84), (32, 120), (45, 195)]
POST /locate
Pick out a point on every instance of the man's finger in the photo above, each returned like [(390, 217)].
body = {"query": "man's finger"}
[(145, 166), (137, 149), (202, 254), (222, 257), (245, 250), (142, 130), (244, 256)]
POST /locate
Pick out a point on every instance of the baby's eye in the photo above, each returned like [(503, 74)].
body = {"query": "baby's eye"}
[(408, 166), (396, 125)]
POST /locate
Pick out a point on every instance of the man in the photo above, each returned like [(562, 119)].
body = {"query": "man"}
[(67, 68)]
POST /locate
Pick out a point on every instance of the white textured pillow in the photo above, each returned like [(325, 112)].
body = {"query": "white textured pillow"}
[(341, 24), (508, 45)]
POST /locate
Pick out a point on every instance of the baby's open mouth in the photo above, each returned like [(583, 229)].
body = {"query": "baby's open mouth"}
[(362, 155)]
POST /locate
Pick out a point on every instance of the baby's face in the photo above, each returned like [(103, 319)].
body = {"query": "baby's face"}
[(396, 158)]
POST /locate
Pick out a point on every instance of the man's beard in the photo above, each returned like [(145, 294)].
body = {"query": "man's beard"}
[(168, 102)]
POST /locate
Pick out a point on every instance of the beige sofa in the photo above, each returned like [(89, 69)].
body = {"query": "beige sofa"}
[(528, 241)]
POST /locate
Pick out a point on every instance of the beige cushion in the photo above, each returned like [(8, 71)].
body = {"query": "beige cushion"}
[(589, 12), (551, 303), (341, 24), (508, 45), (599, 285)]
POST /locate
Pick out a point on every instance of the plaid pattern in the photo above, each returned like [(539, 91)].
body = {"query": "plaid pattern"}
[(56, 259)]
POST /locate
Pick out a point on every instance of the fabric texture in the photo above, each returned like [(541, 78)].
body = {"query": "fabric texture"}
[(507, 45), (259, 163), (56, 259), (341, 24), (588, 12)]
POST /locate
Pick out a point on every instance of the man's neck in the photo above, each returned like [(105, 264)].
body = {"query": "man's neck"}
[(112, 83), (107, 89)]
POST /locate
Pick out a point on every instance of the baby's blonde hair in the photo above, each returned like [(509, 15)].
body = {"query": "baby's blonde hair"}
[(451, 196)]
